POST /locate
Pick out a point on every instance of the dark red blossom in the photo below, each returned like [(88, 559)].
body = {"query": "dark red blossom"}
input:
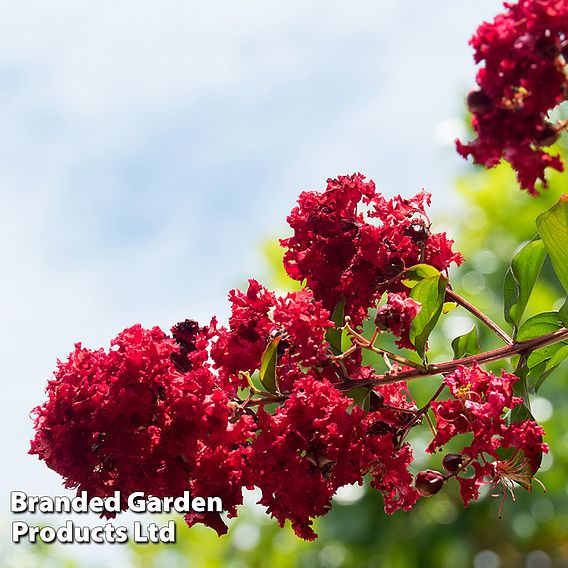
[(352, 244), (259, 316), (239, 349), (479, 406), (127, 420), (396, 316), (308, 449), (523, 79)]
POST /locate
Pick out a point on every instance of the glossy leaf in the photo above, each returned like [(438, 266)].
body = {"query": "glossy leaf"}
[(538, 374), (448, 307), (539, 364), (563, 313), (520, 279), (419, 272), (538, 325), (267, 373), (553, 228), (430, 293), (333, 335), (466, 344), (361, 397)]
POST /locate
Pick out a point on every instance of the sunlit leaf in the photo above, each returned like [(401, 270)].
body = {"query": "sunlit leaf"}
[(520, 279), (539, 364), (448, 307), (416, 273), (267, 373), (466, 344), (553, 229), (563, 313), (538, 325), (430, 293)]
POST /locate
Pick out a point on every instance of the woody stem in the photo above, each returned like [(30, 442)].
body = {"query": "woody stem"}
[(479, 315), (449, 366)]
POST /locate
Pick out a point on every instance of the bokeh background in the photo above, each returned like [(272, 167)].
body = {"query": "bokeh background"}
[(149, 154)]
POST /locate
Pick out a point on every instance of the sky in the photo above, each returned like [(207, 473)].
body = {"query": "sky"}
[(147, 150)]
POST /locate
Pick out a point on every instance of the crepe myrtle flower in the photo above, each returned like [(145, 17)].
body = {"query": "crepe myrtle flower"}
[(524, 51), (350, 244), (479, 403), (127, 419), (396, 316), (297, 320)]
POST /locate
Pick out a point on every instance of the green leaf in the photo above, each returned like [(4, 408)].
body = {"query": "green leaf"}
[(430, 292), (563, 313), (448, 307), (361, 397), (538, 374), (520, 279), (333, 335), (538, 325), (416, 273), (346, 342), (268, 367), (539, 364), (553, 228), (522, 411), (466, 344)]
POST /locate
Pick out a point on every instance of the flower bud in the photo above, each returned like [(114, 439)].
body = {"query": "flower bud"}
[(429, 482), (478, 102), (376, 400), (394, 267), (452, 462), (548, 46), (418, 232), (547, 135)]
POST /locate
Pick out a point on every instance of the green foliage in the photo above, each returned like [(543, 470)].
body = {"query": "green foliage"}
[(334, 334), (466, 344), (267, 372), (417, 273), (553, 228), (520, 280), (430, 293)]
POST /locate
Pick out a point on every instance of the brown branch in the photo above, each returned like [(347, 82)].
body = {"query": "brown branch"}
[(479, 315), (449, 366)]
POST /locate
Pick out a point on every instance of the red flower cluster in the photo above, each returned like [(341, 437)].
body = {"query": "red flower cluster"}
[(480, 401), (297, 320), (315, 442), (352, 244), (396, 316), (163, 415), (525, 50), (127, 420)]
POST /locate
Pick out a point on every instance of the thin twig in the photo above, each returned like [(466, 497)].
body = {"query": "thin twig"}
[(449, 366), (479, 315), (361, 341)]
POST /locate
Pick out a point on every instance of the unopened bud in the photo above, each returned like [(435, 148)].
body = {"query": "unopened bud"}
[(452, 462), (479, 102), (376, 400), (394, 267), (548, 46), (418, 232), (429, 482), (547, 135)]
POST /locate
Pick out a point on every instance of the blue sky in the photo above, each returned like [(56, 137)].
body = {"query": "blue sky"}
[(147, 150)]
